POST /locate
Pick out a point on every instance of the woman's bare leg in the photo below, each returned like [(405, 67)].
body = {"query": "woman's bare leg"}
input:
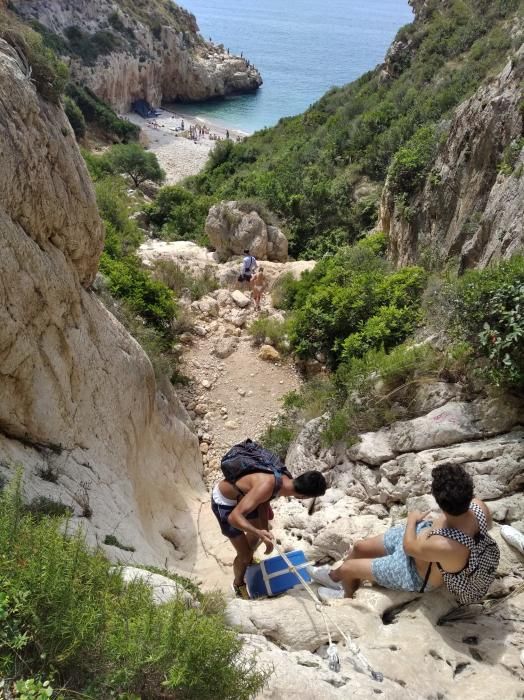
[(367, 550)]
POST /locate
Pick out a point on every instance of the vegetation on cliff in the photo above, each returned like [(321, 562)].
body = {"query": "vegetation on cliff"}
[(322, 171), (69, 623)]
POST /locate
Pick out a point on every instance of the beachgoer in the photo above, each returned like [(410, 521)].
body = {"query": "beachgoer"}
[(402, 557), (258, 286), (227, 133), (249, 265), (243, 512)]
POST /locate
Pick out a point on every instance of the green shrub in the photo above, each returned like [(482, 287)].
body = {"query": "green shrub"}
[(66, 615), (179, 280), (149, 298), (88, 46), (76, 118), (179, 214), (133, 160), (487, 311), (351, 302), (48, 73), (411, 162), (276, 331), (113, 541), (100, 115), (279, 435)]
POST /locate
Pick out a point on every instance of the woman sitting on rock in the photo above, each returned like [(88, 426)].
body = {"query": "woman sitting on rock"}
[(403, 557)]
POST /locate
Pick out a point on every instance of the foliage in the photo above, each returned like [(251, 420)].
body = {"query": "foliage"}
[(147, 297), (99, 114), (113, 541), (181, 281), (486, 309), (89, 46), (133, 160), (410, 163), (321, 171), (76, 118), (267, 328), (67, 617), (32, 689), (179, 214), (510, 156), (48, 73), (350, 303)]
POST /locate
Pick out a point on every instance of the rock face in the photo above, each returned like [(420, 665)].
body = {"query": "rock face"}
[(142, 50), (80, 409), (233, 227), (472, 203)]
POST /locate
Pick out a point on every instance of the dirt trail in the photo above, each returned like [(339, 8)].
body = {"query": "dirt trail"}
[(241, 393)]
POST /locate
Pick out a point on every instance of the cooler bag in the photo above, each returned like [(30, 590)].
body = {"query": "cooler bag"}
[(272, 576)]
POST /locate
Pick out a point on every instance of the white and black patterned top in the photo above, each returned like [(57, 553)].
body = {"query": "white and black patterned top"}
[(472, 583)]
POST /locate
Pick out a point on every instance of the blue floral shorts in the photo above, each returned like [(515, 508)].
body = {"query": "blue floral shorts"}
[(397, 570)]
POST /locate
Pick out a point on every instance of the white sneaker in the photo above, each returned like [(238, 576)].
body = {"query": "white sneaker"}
[(320, 574), (328, 594), (513, 537)]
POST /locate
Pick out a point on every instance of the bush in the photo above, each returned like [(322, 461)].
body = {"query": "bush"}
[(147, 297), (487, 311), (76, 118), (180, 280), (67, 615), (351, 302), (99, 114), (90, 46), (179, 214), (48, 73), (276, 331), (133, 160), (411, 162)]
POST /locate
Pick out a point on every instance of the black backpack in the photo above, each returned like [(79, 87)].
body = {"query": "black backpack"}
[(472, 583), (249, 457)]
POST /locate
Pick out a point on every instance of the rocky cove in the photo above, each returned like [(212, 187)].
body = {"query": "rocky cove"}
[(133, 456)]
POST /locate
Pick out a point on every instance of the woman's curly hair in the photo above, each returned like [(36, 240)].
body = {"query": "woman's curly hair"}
[(452, 488)]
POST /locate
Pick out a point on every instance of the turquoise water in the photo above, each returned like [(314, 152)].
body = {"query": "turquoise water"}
[(301, 47)]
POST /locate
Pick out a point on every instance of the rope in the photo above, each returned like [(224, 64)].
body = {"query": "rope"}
[(358, 660)]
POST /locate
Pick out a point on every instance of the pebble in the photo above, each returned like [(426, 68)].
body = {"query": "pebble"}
[(204, 448), (206, 384), (241, 391)]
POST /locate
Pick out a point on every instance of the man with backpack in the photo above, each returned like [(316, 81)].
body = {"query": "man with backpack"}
[(249, 265), (454, 550), (240, 502)]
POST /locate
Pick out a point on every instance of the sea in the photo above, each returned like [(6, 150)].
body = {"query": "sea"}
[(301, 47)]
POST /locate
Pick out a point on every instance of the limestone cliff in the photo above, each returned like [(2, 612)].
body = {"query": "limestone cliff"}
[(128, 50), (80, 410), (471, 205)]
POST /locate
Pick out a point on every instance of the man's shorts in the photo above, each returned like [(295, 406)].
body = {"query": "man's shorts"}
[(222, 513), (397, 570)]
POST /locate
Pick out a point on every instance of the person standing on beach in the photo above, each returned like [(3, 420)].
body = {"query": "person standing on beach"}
[(258, 286), (227, 133)]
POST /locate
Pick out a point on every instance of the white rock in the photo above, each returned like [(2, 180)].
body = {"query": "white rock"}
[(163, 588), (240, 299)]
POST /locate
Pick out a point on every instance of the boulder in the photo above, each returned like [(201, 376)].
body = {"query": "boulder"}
[(224, 347), (233, 228), (269, 353), (240, 299), (164, 589)]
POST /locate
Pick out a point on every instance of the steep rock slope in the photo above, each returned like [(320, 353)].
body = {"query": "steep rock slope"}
[(472, 201), (79, 410), (128, 50)]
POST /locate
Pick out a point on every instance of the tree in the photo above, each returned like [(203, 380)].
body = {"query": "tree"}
[(133, 160)]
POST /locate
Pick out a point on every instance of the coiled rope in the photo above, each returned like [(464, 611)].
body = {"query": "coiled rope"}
[(357, 658)]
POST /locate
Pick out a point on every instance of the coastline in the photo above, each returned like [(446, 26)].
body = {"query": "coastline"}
[(181, 152)]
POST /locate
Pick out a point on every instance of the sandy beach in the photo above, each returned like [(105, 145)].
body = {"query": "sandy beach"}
[(178, 153)]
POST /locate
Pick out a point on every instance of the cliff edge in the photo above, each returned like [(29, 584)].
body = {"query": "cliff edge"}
[(125, 51)]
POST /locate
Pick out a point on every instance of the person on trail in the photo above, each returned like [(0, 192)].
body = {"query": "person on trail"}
[(423, 555), (243, 512), (258, 285), (249, 265)]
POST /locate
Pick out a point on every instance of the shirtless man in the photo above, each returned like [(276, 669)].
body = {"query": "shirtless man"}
[(400, 558), (242, 511), (258, 285)]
